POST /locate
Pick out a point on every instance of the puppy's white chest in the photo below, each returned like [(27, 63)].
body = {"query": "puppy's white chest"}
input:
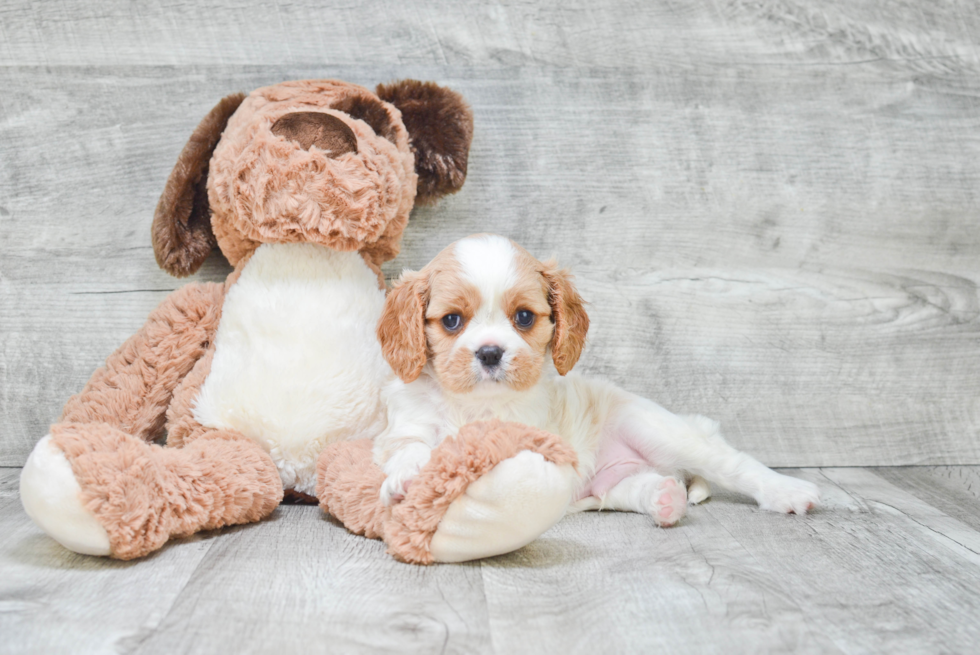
[(297, 364)]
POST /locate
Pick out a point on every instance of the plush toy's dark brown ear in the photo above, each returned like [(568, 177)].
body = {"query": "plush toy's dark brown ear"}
[(182, 236), (440, 125)]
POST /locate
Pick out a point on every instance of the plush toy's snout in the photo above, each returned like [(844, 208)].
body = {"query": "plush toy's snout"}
[(312, 161), (312, 128)]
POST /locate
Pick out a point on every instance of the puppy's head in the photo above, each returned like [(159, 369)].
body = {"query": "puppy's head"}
[(487, 314)]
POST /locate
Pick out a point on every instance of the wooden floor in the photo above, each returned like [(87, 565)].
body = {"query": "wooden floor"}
[(890, 564)]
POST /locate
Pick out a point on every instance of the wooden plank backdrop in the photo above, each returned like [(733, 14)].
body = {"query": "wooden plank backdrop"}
[(772, 207)]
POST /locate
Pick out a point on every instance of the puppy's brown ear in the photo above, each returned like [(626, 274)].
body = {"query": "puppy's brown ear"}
[(182, 236), (440, 125), (568, 314), (401, 329)]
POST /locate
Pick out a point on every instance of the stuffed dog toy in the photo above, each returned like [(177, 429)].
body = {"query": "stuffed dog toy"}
[(305, 187)]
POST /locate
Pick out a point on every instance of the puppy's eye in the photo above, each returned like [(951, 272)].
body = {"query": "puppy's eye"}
[(452, 322), (524, 318)]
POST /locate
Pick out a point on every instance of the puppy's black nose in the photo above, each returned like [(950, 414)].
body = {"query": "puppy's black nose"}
[(490, 355)]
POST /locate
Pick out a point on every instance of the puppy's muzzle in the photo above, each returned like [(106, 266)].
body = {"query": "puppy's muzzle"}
[(490, 356)]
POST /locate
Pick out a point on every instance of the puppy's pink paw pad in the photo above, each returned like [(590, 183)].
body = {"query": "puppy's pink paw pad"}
[(669, 502)]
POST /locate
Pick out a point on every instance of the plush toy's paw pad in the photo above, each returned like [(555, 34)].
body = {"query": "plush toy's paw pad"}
[(506, 509), (51, 497), (698, 490), (668, 502), (788, 495)]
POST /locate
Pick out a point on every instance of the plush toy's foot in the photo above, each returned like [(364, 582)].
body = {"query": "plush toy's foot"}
[(99, 491), (492, 489), (52, 498), (506, 509)]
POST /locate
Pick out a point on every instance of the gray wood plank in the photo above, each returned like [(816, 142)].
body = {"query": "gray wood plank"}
[(856, 576), (961, 538), (299, 581), (873, 576), (772, 208), (624, 34), (616, 583), (839, 334), (9, 482), (52, 600), (876, 569), (953, 489)]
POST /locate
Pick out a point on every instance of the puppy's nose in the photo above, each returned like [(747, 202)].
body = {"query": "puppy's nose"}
[(490, 355)]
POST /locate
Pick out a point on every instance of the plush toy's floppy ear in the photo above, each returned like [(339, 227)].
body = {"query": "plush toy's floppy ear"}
[(401, 329), (568, 313), (182, 236), (440, 125)]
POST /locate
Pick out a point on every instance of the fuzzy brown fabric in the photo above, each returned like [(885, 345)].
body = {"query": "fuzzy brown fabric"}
[(349, 483), (182, 427), (440, 124), (370, 110), (267, 189), (182, 235), (143, 494), (133, 391), (313, 128)]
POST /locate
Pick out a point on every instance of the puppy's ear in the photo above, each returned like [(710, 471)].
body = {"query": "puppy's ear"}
[(568, 314), (440, 125), (401, 329), (182, 236)]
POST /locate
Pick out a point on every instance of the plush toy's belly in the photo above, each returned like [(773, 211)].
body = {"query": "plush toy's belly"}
[(297, 363)]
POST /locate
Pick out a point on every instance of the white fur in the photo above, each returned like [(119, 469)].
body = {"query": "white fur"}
[(487, 261), (297, 364), (50, 495), (611, 430)]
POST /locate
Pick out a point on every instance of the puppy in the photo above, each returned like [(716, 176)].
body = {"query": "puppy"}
[(487, 331)]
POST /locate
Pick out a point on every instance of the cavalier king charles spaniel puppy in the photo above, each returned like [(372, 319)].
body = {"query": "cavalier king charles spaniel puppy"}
[(485, 331)]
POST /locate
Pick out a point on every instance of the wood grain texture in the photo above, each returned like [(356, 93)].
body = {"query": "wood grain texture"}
[(52, 600), (773, 209), (875, 569), (953, 489), (327, 590)]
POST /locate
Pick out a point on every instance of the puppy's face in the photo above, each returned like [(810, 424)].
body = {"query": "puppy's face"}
[(487, 314)]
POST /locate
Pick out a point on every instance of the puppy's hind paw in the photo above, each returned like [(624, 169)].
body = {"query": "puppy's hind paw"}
[(788, 495), (668, 502)]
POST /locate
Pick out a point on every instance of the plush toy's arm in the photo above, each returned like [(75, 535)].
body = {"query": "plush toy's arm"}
[(492, 489), (134, 388), (94, 483)]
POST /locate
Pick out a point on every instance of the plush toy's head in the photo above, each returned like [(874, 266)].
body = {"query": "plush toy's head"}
[(316, 161)]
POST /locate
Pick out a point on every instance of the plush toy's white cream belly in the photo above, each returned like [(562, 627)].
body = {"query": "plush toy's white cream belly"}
[(297, 363)]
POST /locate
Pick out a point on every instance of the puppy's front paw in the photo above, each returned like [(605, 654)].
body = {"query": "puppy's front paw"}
[(401, 469), (395, 486), (788, 495), (668, 502)]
